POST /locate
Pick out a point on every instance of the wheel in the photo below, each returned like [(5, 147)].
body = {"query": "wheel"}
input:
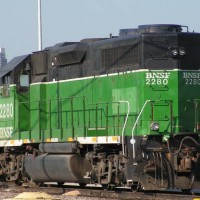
[(18, 182), (107, 186), (186, 191), (39, 184), (35, 184), (136, 187), (82, 184), (60, 183)]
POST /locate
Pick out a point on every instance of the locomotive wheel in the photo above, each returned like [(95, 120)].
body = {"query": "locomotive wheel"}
[(136, 187), (60, 183), (39, 184), (18, 182), (186, 191), (107, 186), (82, 184)]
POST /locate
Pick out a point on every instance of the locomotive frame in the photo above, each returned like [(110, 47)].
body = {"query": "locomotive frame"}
[(119, 111)]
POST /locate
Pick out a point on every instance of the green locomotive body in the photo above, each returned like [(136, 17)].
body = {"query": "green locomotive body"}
[(115, 111), (98, 106)]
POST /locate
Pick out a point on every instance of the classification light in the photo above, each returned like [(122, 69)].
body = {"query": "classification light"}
[(182, 51), (174, 52), (154, 126)]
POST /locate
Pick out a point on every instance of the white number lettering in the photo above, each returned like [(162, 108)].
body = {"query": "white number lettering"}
[(192, 81), (191, 78), (153, 81), (148, 81), (157, 78), (6, 110), (165, 81)]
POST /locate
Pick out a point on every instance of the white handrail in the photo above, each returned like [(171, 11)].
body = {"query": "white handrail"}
[(123, 148), (133, 129)]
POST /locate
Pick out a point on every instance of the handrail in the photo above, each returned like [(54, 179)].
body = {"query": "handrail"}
[(123, 148), (43, 100), (138, 117), (134, 126), (49, 101), (128, 111)]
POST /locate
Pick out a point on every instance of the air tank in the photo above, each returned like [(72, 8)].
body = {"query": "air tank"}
[(57, 168)]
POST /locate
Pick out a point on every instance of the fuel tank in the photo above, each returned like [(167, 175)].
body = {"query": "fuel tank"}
[(57, 168)]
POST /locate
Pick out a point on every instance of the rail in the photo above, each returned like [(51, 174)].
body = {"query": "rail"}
[(123, 137), (67, 109), (134, 126), (74, 113), (49, 112), (125, 122)]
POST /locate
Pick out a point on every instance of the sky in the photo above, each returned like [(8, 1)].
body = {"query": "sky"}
[(73, 20)]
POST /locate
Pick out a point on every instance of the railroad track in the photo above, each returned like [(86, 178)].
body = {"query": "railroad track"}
[(92, 192)]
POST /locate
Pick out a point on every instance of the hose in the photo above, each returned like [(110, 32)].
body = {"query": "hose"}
[(179, 149)]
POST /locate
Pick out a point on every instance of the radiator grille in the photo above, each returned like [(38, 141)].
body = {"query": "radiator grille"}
[(120, 56)]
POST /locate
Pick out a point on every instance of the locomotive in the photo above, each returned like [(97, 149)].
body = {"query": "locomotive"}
[(117, 111)]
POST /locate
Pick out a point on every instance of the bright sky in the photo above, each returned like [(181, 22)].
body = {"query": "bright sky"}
[(73, 20)]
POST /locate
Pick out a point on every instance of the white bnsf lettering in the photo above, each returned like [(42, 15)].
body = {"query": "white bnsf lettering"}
[(6, 110), (157, 78), (6, 132), (191, 78)]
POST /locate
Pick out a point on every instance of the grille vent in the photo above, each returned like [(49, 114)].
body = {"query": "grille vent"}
[(120, 56)]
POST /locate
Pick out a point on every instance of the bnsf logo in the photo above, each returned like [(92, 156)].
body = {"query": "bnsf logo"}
[(6, 132), (159, 78), (191, 78), (191, 75), (6, 110)]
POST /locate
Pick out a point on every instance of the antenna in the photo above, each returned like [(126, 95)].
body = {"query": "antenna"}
[(39, 26)]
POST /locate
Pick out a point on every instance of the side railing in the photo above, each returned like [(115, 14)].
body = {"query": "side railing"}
[(118, 103), (71, 113)]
